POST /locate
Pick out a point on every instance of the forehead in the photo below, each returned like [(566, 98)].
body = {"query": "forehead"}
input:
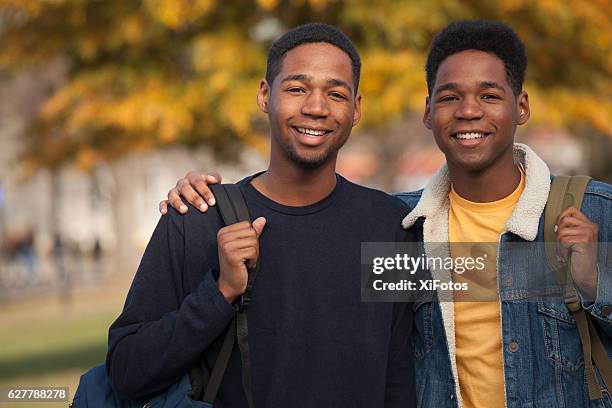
[(319, 60), (472, 67)]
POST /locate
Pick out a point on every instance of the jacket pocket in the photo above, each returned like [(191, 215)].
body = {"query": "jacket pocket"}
[(561, 338), (423, 341)]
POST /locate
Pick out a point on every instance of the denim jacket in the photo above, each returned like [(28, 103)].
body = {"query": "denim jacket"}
[(542, 354)]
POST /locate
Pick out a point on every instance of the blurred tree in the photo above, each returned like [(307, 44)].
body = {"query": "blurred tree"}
[(150, 73)]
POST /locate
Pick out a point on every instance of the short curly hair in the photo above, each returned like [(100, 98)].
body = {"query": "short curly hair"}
[(489, 36), (306, 34)]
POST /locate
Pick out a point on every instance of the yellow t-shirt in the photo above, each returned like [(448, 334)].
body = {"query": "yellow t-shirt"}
[(478, 333)]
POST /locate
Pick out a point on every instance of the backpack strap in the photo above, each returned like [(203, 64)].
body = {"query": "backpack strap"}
[(590, 378), (231, 204), (233, 209), (600, 356), (554, 207), (567, 191)]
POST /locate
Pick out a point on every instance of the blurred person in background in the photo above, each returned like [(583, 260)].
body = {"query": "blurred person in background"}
[(18, 249), (313, 342), (500, 353)]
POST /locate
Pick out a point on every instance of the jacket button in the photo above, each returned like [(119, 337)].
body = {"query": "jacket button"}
[(513, 347), (508, 280), (452, 396), (147, 405), (606, 310)]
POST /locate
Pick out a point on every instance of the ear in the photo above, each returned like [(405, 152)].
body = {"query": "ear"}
[(427, 113), (357, 113), (523, 108), (263, 96)]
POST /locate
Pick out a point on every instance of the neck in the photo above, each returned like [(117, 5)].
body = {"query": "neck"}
[(296, 187), (492, 184)]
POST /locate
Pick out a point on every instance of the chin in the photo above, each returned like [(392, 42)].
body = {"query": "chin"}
[(310, 161), (477, 166), (307, 164), (472, 164)]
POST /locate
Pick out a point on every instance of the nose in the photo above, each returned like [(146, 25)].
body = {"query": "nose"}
[(315, 104), (469, 109)]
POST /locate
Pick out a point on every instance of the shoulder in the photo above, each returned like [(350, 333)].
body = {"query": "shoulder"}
[(595, 189), (600, 189), (597, 206), (410, 198), (375, 199), (193, 221)]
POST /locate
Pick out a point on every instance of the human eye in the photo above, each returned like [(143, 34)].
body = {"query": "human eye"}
[(447, 98), (337, 95), (490, 96), (295, 90)]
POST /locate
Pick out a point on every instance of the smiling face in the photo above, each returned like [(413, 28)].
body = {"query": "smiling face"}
[(473, 112), (311, 104)]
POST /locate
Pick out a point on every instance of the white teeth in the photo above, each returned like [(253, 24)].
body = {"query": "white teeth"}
[(469, 136), (311, 132)]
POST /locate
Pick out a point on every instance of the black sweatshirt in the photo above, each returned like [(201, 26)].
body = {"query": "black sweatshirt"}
[(313, 342)]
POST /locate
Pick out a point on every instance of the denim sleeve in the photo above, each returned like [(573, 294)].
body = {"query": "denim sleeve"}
[(597, 206), (601, 309), (162, 331)]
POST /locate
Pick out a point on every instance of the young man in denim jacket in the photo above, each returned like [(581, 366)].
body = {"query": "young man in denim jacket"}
[(526, 352), (509, 351)]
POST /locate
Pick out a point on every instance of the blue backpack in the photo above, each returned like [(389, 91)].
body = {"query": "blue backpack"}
[(96, 391)]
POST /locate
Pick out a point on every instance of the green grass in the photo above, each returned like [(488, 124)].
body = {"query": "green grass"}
[(41, 347), (27, 341), (43, 343)]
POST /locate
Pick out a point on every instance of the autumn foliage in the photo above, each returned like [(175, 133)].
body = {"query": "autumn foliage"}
[(150, 73)]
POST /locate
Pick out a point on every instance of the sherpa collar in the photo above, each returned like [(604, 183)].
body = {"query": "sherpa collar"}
[(434, 207), (526, 215)]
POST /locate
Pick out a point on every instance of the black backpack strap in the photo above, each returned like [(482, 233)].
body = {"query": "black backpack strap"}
[(233, 209), (230, 203), (212, 388), (242, 335)]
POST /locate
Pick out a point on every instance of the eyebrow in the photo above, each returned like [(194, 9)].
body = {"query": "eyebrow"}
[(490, 84), (308, 78), (451, 86), (337, 82), (297, 77)]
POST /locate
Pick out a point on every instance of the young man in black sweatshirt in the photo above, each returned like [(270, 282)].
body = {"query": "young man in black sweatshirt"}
[(492, 190), (313, 342)]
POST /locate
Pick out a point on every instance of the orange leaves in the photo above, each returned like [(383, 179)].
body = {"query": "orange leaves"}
[(175, 13), (267, 5), (150, 73), (227, 50), (392, 84), (567, 108), (111, 99)]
